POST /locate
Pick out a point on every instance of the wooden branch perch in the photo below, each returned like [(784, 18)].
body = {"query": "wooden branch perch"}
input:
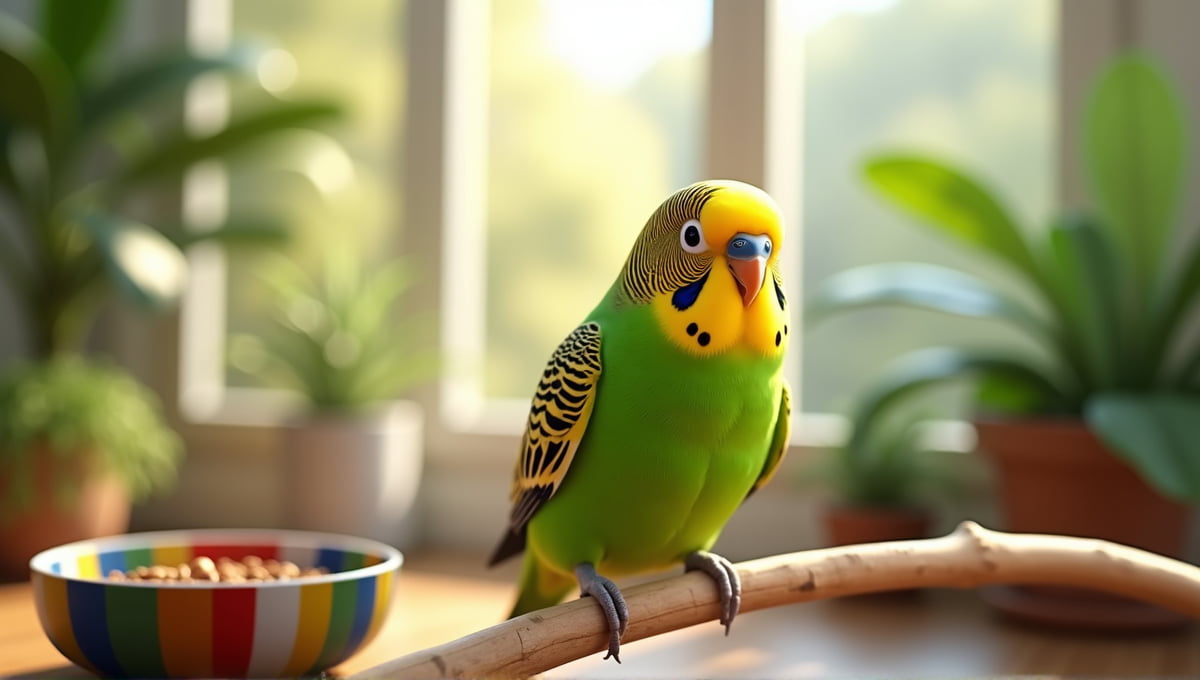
[(969, 557)]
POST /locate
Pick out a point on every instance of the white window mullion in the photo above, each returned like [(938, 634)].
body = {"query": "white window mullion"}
[(754, 135), (445, 209)]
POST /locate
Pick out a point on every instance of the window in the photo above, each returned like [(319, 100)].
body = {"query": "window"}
[(971, 82), (578, 155), (584, 141), (343, 189), (508, 124)]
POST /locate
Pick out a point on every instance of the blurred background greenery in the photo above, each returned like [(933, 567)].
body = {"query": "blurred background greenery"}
[(582, 147)]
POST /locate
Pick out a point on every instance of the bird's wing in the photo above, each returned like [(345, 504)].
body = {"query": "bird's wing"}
[(558, 418), (779, 440)]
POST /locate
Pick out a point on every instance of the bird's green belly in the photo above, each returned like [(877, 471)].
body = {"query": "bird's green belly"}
[(657, 476)]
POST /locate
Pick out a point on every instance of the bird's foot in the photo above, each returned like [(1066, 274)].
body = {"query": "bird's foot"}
[(611, 602), (729, 584)]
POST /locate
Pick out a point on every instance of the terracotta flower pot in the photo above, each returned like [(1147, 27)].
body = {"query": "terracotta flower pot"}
[(1056, 477), (850, 525), (100, 508)]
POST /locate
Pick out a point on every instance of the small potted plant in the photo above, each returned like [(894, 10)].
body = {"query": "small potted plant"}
[(353, 455), (90, 139), (883, 482), (78, 440), (1094, 431)]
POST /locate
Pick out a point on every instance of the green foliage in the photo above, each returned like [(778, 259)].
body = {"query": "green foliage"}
[(889, 468), (72, 175), (332, 337), (74, 407), (1109, 298)]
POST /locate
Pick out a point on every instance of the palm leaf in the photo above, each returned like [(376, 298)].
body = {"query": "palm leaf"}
[(147, 268), (36, 92), (920, 370), (1088, 278), (75, 29), (8, 178), (1156, 434), (162, 76), (1135, 144), (242, 231), (1174, 303), (955, 204), (173, 156), (923, 286)]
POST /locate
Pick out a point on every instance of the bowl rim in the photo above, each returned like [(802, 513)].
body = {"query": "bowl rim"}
[(392, 557)]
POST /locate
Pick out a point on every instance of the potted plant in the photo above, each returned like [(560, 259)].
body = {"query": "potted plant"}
[(1093, 432), (70, 464), (881, 481), (89, 139), (352, 457)]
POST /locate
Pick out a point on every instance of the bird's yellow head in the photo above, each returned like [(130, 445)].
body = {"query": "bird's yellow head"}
[(707, 261)]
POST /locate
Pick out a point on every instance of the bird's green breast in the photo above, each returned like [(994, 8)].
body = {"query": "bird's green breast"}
[(674, 443)]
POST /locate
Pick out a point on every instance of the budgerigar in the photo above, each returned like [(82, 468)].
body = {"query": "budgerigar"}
[(661, 412)]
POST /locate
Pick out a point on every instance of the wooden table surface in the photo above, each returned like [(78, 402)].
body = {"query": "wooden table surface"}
[(442, 597)]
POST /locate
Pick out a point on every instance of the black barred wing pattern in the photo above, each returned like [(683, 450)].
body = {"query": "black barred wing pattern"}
[(558, 418)]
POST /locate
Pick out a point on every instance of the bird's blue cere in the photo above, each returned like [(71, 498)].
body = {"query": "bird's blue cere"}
[(748, 247)]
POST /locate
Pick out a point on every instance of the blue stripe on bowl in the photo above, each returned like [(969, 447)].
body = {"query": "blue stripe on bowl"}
[(85, 600), (364, 608), (330, 558), (112, 560)]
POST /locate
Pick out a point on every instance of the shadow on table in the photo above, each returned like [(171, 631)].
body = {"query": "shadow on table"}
[(65, 672)]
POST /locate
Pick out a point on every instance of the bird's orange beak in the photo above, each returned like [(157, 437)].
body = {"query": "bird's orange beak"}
[(747, 255), (749, 275)]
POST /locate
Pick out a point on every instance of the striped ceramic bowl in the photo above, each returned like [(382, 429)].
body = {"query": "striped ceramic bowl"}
[(268, 629)]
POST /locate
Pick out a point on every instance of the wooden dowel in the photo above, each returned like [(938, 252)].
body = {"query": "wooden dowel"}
[(971, 556)]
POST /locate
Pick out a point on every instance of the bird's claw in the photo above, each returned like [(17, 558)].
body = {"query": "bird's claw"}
[(611, 602), (729, 583)]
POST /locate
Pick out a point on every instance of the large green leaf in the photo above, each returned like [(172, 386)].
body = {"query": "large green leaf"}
[(1175, 303), (75, 29), (1158, 434), (924, 286), (1135, 145), (917, 371), (148, 269), (171, 157), (243, 232), (35, 91), (1088, 277), (954, 203), (8, 179), (160, 76)]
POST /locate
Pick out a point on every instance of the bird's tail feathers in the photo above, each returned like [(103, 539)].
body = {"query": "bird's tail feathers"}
[(540, 587), (512, 543)]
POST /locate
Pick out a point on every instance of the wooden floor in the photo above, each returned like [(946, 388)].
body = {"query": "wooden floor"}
[(441, 597)]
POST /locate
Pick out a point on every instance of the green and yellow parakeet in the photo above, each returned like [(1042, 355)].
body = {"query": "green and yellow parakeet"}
[(661, 412)]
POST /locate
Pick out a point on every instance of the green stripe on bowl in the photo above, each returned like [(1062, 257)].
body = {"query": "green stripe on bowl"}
[(353, 560), (341, 620), (132, 615), (138, 557)]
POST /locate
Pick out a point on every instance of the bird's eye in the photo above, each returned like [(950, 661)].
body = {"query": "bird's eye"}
[(691, 238), (767, 247)]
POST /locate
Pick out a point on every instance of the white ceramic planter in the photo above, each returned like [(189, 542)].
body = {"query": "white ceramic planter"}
[(355, 475)]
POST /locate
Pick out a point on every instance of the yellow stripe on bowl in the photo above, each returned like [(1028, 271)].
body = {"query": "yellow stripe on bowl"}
[(316, 605)]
